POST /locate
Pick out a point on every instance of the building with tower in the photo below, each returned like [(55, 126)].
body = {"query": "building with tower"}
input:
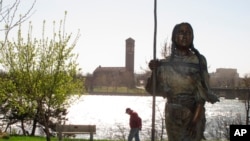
[(130, 55), (225, 78), (117, 76)]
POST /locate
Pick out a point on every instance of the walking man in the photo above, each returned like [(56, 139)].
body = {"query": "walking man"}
[(135, 124)]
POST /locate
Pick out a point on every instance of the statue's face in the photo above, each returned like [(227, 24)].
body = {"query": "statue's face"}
[(184, 37)]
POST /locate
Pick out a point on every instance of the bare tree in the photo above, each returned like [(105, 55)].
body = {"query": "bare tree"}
[(218, 128), (166, 49), (118, 132), (247, 98), (122, 133), (8, 17)]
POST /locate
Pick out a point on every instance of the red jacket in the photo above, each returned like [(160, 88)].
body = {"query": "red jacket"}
[(135, 120)]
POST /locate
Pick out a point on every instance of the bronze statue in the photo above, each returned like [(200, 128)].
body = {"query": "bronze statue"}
[(182, 78)]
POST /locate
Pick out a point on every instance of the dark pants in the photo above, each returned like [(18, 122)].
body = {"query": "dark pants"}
[(134, 133)]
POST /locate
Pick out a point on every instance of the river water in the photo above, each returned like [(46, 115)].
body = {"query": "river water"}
[(108, 114)]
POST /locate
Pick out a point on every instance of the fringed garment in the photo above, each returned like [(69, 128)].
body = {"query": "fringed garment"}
[(185, 84)]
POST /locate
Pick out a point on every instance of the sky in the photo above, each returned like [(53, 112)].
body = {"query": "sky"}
[(221, 29)]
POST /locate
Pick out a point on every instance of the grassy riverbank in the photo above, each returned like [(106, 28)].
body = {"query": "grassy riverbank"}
[(27, 138), (118, 91)]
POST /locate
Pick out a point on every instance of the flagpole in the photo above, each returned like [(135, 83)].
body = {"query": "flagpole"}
[(154, 72)]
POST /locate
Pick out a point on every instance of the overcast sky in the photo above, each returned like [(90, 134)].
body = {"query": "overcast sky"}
[(221, 29)]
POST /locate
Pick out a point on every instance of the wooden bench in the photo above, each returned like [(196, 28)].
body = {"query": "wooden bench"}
[(75, 129)]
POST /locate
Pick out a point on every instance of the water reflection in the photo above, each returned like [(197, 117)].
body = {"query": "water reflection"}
[(108, 113)]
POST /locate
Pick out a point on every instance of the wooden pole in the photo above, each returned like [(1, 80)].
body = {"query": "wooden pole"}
[(154, 72)]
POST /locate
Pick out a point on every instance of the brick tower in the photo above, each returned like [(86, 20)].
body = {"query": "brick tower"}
[(130, 45)]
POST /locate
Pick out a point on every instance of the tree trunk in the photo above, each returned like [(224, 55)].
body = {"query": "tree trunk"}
[(47, 132), (22, 126), (247, 108), (46, 126), (34, 127)]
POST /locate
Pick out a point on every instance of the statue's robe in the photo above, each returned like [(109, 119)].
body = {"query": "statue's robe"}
[(184, 82)]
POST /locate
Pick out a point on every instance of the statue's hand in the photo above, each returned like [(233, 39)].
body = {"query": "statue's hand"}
[(191, 129), (153, 64), (192, 126), (212, 98)]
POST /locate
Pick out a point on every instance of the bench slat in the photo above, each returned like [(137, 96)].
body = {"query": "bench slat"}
[(76, 128)]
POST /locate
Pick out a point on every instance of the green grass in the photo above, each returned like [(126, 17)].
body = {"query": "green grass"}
[(28, 138), (119, 90)]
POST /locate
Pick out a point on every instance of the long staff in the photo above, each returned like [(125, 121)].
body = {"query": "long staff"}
[(154, 72)]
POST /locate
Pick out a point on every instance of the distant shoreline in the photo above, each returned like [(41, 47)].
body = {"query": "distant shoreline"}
[(118, 94)]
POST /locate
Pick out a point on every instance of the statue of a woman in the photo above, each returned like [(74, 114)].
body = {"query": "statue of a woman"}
[(182, 78)]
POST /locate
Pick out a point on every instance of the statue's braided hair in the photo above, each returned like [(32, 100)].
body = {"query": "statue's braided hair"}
[(202, 66)]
